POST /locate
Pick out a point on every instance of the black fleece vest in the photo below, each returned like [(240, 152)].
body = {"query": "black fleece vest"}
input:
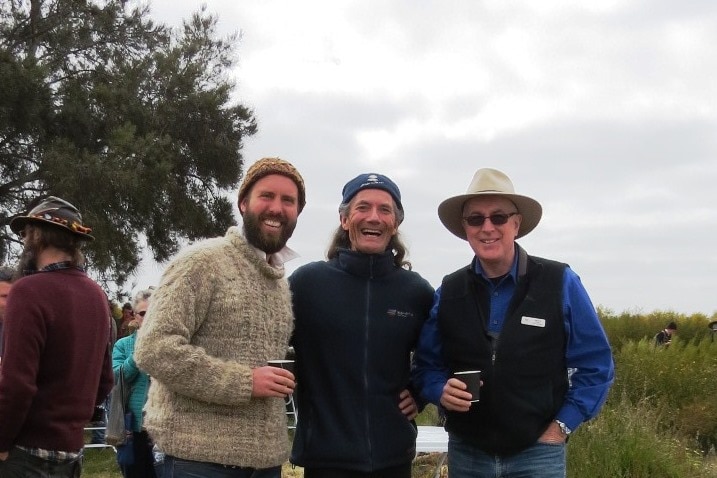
[(524, 373)]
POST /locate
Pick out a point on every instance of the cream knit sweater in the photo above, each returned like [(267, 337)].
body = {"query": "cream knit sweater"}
[(219, 311)]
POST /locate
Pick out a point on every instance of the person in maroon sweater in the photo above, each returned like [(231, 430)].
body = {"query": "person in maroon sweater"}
[(56, 365)]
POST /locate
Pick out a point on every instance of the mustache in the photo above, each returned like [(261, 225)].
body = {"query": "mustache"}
[(276, 216)]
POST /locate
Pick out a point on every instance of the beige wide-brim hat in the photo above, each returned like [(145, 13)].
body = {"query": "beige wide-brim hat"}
[(489, 182)]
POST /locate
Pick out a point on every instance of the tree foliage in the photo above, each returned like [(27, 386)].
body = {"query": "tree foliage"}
[(128, 119)]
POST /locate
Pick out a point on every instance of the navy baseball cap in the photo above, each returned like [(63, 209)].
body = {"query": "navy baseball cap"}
[(371, 181)]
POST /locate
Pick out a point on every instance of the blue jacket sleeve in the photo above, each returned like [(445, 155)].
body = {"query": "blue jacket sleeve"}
[(588, 355), (430, 372)]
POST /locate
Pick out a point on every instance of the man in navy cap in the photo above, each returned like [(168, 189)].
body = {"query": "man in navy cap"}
[(357, 320)]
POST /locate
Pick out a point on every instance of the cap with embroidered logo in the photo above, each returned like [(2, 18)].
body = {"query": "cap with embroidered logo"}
[(371, 181)]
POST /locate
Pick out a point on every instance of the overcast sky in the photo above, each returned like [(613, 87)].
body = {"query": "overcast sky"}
[(605, 112)]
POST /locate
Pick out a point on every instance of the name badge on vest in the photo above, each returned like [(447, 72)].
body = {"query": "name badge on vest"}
[(532, 321)]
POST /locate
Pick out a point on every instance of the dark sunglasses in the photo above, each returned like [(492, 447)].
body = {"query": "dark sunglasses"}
[(141, 314), (496, 219)]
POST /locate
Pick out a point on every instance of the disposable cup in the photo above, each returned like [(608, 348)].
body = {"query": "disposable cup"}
[(472, 380), (285, 364)]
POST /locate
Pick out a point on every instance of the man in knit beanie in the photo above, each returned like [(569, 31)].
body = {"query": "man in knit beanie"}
[(221, 312)]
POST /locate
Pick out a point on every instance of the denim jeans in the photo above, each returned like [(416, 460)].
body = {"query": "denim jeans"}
[(20, 464), (143, 465), (98, 436), (542, 460), (177, 468)]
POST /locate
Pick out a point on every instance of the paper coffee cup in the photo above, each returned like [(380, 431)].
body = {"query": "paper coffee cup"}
[(472, 380), (285, 364)]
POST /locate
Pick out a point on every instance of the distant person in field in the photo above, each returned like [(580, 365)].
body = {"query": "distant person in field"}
[(664, 336)]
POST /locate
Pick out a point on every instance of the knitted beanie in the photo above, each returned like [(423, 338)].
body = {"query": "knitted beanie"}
[(267, 166)]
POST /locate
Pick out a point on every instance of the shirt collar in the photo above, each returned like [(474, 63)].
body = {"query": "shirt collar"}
[(277, 259), (513, 272)]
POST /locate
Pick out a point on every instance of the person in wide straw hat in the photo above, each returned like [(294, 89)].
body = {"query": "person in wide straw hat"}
[(524, 322)]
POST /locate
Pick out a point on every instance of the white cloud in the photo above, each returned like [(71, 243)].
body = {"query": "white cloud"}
[(603, 111)]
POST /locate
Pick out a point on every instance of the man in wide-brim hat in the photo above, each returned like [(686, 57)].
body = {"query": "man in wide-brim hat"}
[(523, 321), (55, 367), (56, 212)]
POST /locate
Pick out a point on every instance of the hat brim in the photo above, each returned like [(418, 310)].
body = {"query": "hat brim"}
[(450, 212), (18, 223)]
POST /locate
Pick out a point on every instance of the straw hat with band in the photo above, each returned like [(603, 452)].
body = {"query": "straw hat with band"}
[(489, 182), (57, 212)]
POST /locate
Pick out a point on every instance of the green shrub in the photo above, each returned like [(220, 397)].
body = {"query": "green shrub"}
[(629, 440)]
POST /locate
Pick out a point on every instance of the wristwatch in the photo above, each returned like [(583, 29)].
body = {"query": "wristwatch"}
[(563, 428)]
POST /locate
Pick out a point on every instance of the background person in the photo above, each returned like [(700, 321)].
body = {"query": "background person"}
[(221, 311), (523, 321), (127, 317), (138, 381), (56, 365), (664, 337), (99, 417), (358, 316), (6, 278)]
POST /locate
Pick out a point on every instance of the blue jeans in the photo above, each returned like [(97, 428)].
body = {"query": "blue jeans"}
[(541, 460), (177, 468), (20, 464), (98, 436)]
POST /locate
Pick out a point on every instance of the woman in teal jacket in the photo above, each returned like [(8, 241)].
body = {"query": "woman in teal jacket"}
[(138, 381)]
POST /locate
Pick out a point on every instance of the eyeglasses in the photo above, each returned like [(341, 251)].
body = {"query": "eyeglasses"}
[(496, 219), (141, 314)]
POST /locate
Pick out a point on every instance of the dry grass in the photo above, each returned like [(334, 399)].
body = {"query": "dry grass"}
[(423, 467)]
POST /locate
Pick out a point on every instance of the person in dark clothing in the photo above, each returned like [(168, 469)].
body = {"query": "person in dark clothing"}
[(357, 320), (664, 336), (56, 364), (6, 277), (127, 317), (527, 324)]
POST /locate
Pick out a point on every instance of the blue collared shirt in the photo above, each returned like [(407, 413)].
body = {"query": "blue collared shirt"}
[(588, 353)]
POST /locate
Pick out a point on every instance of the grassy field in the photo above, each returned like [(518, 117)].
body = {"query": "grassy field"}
[(659, 421)]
